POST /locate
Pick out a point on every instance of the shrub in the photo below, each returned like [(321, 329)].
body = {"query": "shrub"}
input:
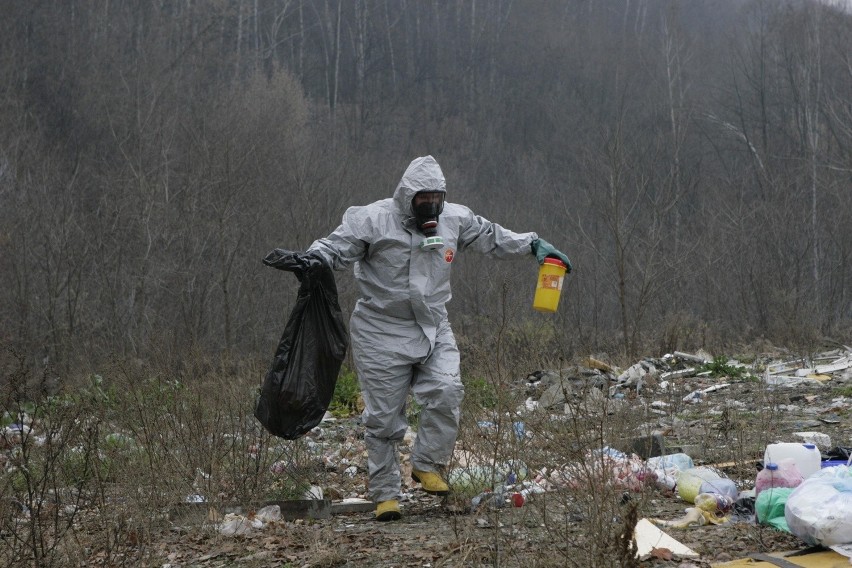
[(347, 394)]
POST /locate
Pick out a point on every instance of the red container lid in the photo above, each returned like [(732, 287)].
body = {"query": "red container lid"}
[(555, 262)]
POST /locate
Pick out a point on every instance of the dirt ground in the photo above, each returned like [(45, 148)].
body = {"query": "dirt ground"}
[(428, 536), (545, 531)]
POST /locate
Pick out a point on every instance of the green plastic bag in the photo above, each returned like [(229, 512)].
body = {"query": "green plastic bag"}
[(769, 507)]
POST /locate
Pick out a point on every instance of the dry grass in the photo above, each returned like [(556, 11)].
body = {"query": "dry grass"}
[(114, 458), (111, 459)]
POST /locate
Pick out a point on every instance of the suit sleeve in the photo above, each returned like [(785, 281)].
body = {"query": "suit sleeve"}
[(348, 243), (481, 235)]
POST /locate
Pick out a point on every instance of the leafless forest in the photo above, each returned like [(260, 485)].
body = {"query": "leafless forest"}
[(694, 159)]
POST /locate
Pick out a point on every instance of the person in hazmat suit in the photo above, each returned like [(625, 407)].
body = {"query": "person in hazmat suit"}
[(403, 249)]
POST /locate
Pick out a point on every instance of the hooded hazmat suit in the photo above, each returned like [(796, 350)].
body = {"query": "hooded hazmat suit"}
[(399, 332)]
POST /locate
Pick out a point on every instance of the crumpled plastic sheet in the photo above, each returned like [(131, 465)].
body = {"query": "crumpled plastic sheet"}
[(819, 511), (623, 471), (234, 524)]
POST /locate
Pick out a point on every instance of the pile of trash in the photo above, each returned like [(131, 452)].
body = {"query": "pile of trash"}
[(802, 493), (799, 490), (551, 390), (344, 455), (782, 497), (825, 483)]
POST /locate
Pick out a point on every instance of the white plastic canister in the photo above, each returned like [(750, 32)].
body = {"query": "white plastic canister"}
[(806, 456)]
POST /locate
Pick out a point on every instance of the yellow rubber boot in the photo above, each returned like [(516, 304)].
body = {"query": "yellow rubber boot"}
[(431, 482), (388, 511)]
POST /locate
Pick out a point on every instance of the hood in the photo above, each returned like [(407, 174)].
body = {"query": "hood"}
[(422, 174)]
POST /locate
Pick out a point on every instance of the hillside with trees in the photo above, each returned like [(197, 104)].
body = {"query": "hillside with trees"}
[(694, 159)]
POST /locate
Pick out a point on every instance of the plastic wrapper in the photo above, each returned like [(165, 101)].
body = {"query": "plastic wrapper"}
[(679, 462), (667, 467), (819, 511), (299, 385), (703, 479)]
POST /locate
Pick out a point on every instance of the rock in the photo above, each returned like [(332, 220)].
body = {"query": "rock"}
[(555, 395)]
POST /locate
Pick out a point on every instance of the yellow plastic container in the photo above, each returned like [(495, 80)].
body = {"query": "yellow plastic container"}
[(551, 273), (689, 481)]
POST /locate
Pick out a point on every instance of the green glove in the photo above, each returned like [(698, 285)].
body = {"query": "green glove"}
[(542, 249)]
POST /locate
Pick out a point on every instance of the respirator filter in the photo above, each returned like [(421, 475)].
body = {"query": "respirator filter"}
[(432, 243)]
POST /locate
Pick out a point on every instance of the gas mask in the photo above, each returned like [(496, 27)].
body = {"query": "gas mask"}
[(427, 206)]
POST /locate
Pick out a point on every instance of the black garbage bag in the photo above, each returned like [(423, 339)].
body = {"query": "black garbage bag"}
[(837, 453), (298, 387)]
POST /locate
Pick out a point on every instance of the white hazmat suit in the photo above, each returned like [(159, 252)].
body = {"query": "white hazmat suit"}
[(401, 339)]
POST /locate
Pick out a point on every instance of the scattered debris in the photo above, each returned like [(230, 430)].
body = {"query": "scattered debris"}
[(683, 397)]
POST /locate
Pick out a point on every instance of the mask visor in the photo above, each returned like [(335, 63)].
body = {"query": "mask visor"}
[(427, 206)]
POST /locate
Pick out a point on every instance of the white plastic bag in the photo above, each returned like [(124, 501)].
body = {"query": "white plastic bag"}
[(234, 524), (667, 468), (819, 511), (269, 513)]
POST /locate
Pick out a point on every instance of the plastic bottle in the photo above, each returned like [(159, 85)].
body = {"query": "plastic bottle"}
[(530, 488), (806, 456), (714, 503), (492, 500), (782, 474)]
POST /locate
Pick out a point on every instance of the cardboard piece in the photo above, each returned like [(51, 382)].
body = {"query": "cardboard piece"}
[(352, 505), (823, 559), (648, 537)]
